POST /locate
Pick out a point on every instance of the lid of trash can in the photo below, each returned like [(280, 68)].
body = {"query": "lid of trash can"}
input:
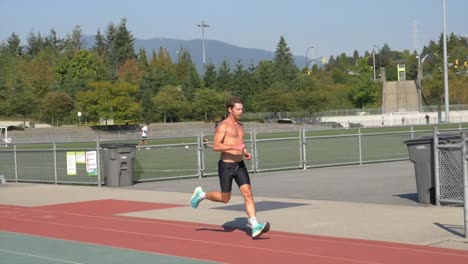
[(423, 140), (117, 145), (450, 136), (429, 139)]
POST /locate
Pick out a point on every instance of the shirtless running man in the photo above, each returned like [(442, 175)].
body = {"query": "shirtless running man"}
[(229, 140)]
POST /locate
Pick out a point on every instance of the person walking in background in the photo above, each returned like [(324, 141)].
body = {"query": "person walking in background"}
[(144, 136), (427, 119), (229, 140)]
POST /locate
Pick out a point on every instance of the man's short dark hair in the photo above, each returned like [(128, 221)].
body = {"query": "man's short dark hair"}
[(232, 101)]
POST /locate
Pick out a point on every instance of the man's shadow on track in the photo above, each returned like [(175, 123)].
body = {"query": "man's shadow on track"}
[(239, 223)]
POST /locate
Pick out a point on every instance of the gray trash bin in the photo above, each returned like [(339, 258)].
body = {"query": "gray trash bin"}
[(119, 159), (421, 153)]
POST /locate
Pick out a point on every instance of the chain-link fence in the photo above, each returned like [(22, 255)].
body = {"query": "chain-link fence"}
[(450, 168), (465, 180), (190, 157), (451, 174)]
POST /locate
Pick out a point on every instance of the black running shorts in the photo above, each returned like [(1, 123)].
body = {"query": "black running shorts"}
[(227, 171)]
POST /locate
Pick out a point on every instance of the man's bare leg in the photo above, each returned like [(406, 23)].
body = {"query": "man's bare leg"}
[(246, 191), (257, 228), (221, 197)]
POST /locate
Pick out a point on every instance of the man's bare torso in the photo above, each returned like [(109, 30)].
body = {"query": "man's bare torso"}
[(234, 134)]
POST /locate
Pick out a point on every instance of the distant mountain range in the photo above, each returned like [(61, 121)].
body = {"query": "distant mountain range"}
[(216, 51)]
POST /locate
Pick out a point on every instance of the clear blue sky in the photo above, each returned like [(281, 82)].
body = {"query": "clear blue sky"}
[(331, 26)]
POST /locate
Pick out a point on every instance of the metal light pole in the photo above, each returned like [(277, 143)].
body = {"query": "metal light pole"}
[(203, 26), (380, 58), (447, 119), (420, 74)]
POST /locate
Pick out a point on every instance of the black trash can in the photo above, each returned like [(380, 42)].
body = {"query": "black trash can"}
[(118, 167), (421, 153)]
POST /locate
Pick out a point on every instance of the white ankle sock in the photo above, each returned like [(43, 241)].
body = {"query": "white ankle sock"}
[(203, 195), (253, 221)]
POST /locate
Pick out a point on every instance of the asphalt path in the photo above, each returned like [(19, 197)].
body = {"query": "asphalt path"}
[(379, 183)]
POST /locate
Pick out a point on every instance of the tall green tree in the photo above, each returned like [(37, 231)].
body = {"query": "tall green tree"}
[(74, 41), (54, 42), (106, 100), (163, 71), (13, 45), (223, 80), (355, 57), (35, 44), (284, 61), (275, 100), (186, 74), (9, 73), (433, 89), (130, 71), (265, 76), (243, 83), (171, 104), (40, 71), (209, 78), (22, 103), (308, 94), (111, 57), (74, 71), (100, 46), (143, 61), (123, 46), (55, 106), (363, 91), (209, 103)]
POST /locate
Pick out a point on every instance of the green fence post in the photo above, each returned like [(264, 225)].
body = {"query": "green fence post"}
[(360, 145), (55, 163), (98, 162), (303, 148), (435, 142), (201, 162), (16, 162), (253, 137)]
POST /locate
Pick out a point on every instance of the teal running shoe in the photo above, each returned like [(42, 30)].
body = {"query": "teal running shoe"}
[(196, 199), (260, 228)]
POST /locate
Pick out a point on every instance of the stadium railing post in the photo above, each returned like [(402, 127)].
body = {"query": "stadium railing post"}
[(302, 138), (253, 137), (98, 163), (465, 181), (55, 163), (435, 142), (360, 145), (200, 154), (16, 162)]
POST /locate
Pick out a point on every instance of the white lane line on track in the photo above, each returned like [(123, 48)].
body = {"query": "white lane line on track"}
[(39, 256)]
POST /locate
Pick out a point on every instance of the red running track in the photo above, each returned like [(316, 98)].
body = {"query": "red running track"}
[(96, 222)]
